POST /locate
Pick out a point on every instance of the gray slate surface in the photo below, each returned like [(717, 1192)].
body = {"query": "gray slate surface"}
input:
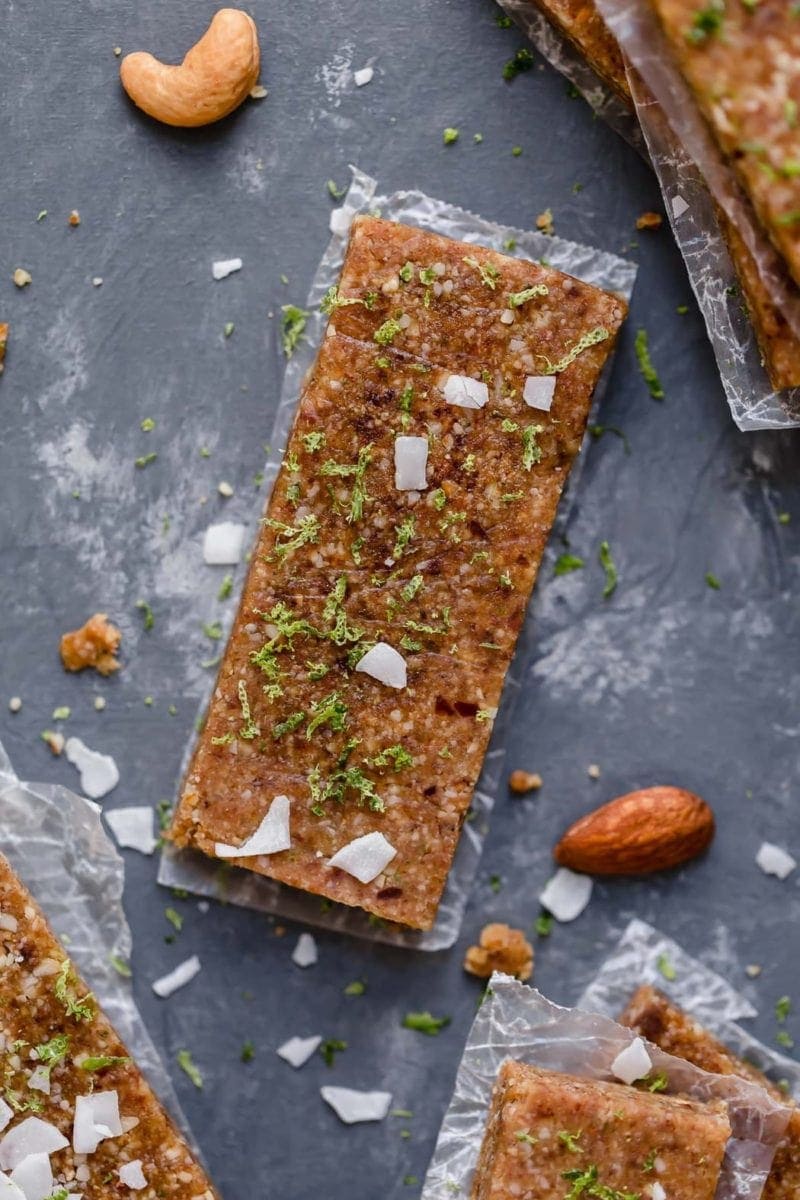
[(668, 681)]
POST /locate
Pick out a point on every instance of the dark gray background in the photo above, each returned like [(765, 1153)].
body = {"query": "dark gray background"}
[(668, 681)]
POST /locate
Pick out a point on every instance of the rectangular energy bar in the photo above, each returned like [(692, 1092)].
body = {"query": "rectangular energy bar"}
[(581, 23), (435, 343), (76, 1115), (554, 1136), (656, 1018)]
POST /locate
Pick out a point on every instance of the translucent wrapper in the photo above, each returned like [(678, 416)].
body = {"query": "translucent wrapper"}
[(202, 875), (56, 843), (696, 989), (516, 1022), (668, 128)]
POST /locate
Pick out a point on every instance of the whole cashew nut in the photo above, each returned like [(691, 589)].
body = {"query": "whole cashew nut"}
[(214, 78)]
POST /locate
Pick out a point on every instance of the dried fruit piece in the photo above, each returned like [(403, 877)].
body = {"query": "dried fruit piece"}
[(649, 830), (524, 781), (95, 644), (500, 948), (649, 220)]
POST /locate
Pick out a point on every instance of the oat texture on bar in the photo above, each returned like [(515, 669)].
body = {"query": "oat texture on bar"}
[(367, 659), (70, 1090)]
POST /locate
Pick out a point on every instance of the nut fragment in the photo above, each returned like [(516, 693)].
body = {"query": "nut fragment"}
[(500, 948), (74, 218), (54, 740), (95, 644), (22, 277), (214, 78), (524, 781), (645, 831), (649, 220)]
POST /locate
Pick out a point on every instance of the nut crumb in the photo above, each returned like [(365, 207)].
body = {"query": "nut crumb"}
[(500, 948), (97, 281), (14, 704), (117, 51), (99, 703), (22, 277), (544, 222), (752, 970), (593, 771), (54, 740), (524, 781), (649, 220), (279, 930), (258, 92), (225, 489), (74, 218), (95, 644)]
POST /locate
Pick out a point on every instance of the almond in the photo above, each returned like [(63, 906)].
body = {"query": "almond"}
[(650, 830)]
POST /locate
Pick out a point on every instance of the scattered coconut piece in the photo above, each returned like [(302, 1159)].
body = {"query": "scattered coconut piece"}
[(566, 895), (774, 861), (6, 1113), (22, 277), (633, 1062), (500, 948), (305, 952), (385, 664), (177, 978), (132, 1175), (3, 344), (257, 91), (97, 281), (96, 1118), (31, 1136), (465, 392), (225, 489), (74, 218), (39, 1080), (223, 543), (524, 781), (34, 1176), (649, 220), (657, 1191), (54, 740), (352, 1106), (95, 645), (340, 220), (679, 206), (538, 391), (297, 1051), (133, 828), (363, 76), (365, 857), (98, 772), (593, 771), (14, 704), (99, 703), (271, 837), (410, 462), (9, 1190), (224, 267), (753, 970)]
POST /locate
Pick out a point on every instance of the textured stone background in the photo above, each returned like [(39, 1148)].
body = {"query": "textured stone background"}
[(668, 681)]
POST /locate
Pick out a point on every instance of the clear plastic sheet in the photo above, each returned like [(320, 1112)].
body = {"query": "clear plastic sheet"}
[(516, 1021), (696, 989), (753, 402), (199, 874), (56, 843)]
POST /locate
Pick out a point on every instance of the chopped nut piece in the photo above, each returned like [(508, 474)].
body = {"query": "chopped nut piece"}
[(500, 948), (524, 781), (649, 220), (95, 644), (99, 703), (593, 771), (74, 218), (258, 92), (752, 970), (225, 489), (54, 740), (14, 704), (22, 277), (3, 344), (545, 221)]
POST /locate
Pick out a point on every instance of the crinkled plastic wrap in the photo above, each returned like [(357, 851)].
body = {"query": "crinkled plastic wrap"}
[(56, 843), (200, 874), (670, 146), (696, 989), (517, 1022)]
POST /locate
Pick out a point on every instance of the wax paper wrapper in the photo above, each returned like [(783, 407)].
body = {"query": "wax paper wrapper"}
[(516, 1021), (640, 957), (56, 843), (199, 874), (667, 128)]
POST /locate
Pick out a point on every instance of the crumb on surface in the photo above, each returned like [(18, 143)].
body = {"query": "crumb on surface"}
[(593, 771), (500, 948), (54, 740), (649, 220), (524, 781), (544, 221), (95, 645), (74, 218), (14, 704), (22, 277)]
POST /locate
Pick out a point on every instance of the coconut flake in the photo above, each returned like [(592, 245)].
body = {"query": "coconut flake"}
[(679, 206), (35, 1176), (39, 1080), (365, 857), (566, 894), (539, 391), (340, 220), (305, 952), (9, 1189), (362, 76), (271, 837), (6, 1113), (182, 974), (410, 461), (132, 1175), (223, 544), (224, 267), (96, 1118), (775, 861), (633, 1062), (657, 1192), (352, 1106), (384, 663), (98, 772), (297, 1051), (133, 828), (31, 1136), (465, 392)]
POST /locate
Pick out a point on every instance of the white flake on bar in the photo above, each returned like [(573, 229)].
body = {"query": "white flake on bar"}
[(271, 837), (465, 392), (385, 664), (539, 391), (365, 857), (410, 462)]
